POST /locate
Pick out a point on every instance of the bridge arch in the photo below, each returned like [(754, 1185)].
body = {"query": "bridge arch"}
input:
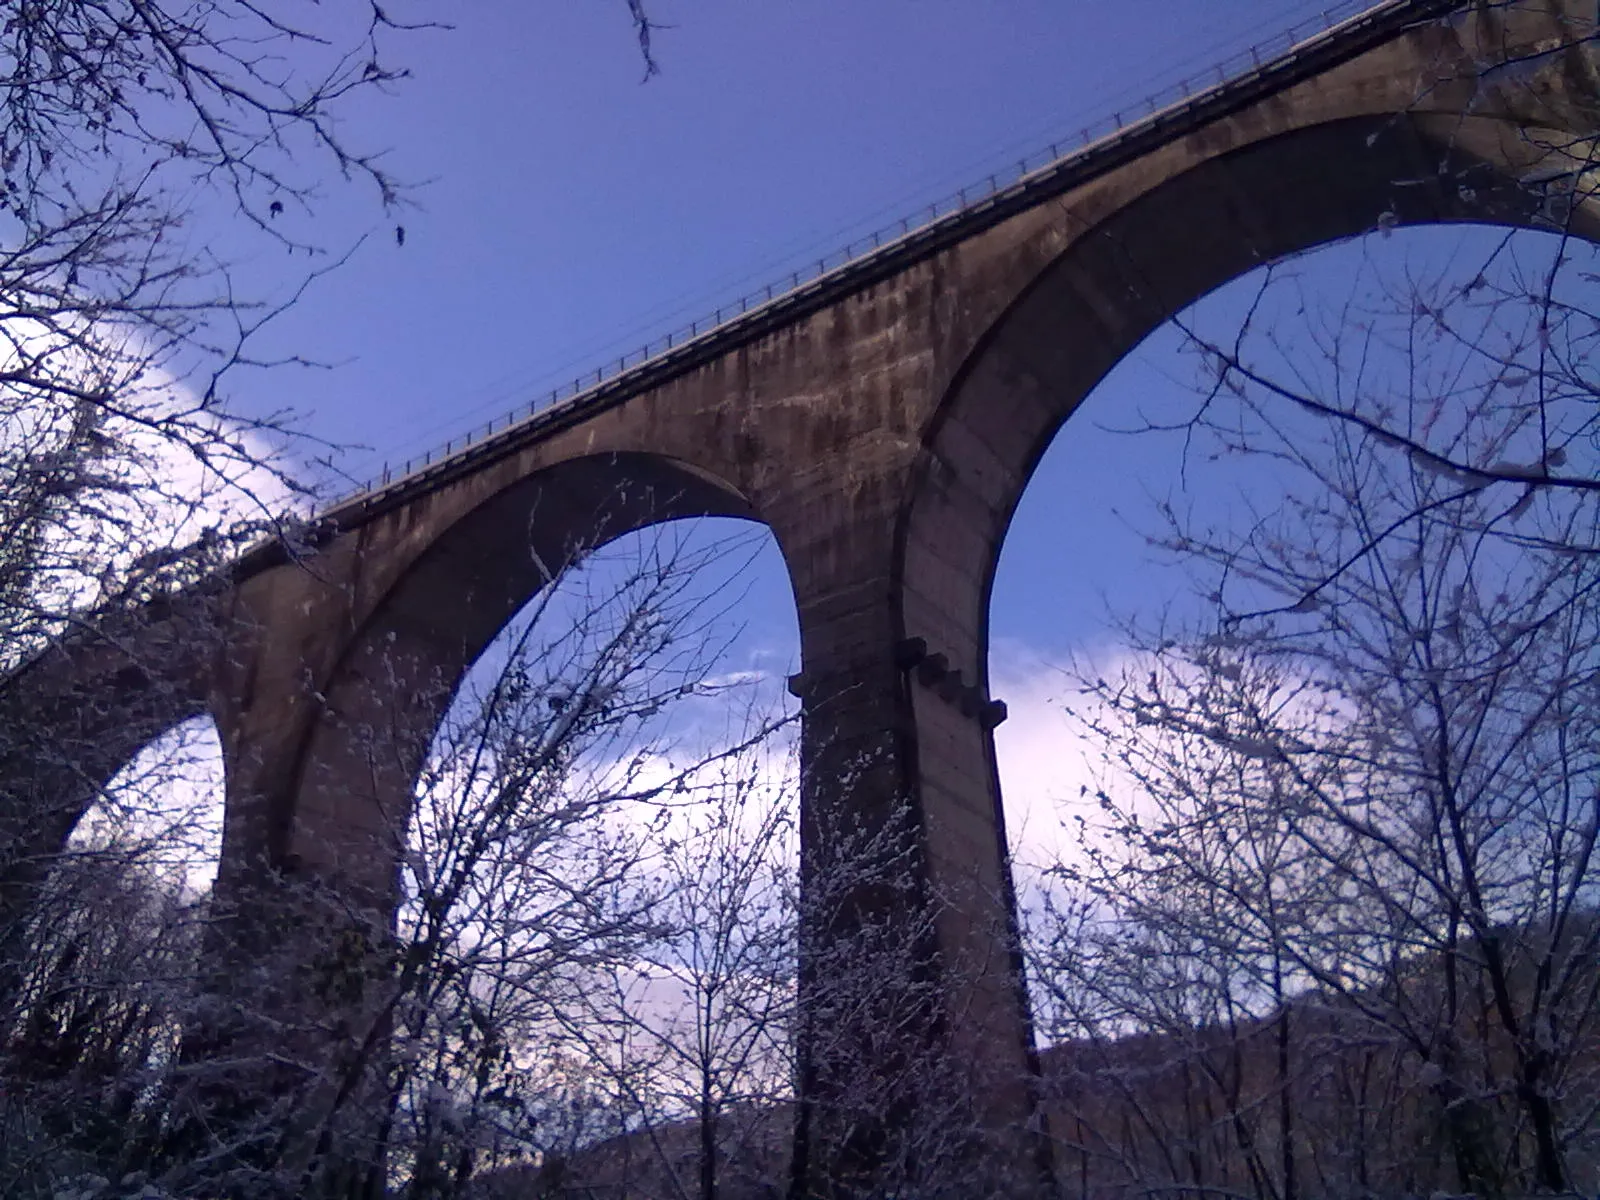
[(75, 718), (399, 672), (1120, 278)]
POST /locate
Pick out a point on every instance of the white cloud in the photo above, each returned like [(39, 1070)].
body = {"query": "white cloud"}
[(1046, 760), (164, 808)]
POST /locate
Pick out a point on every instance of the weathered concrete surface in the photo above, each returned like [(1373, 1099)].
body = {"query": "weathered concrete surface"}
[(884, 433)]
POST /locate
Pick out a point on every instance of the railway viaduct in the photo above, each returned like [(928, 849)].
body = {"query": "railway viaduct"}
[(882, 420)]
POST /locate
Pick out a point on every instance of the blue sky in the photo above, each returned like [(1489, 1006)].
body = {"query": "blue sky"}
[(565, 210)]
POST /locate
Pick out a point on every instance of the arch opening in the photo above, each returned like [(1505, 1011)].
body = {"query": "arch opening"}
[(103, 969), (1142, 455), (1107, 286), (163, 809), (1276, 589), (145, 796), (603, 858)]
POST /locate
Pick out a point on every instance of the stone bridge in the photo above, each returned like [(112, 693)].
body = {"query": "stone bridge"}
[(883, 422)]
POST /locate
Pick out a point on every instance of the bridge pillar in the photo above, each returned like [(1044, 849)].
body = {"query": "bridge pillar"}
[(285, 1056), (916, 1048)]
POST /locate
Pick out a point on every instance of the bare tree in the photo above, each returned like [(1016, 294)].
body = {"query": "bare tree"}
[(131, 132), (1342, 859), (126, 127), (1348, 819), (694, 1031), (535, 864), (532, 865)]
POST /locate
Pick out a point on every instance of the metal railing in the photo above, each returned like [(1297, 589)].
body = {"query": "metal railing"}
[(608, 378)]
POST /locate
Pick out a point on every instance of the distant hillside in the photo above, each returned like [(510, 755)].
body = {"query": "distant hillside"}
[(1201, 1112)]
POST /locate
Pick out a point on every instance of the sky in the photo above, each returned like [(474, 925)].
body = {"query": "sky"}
[(564, 209)]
